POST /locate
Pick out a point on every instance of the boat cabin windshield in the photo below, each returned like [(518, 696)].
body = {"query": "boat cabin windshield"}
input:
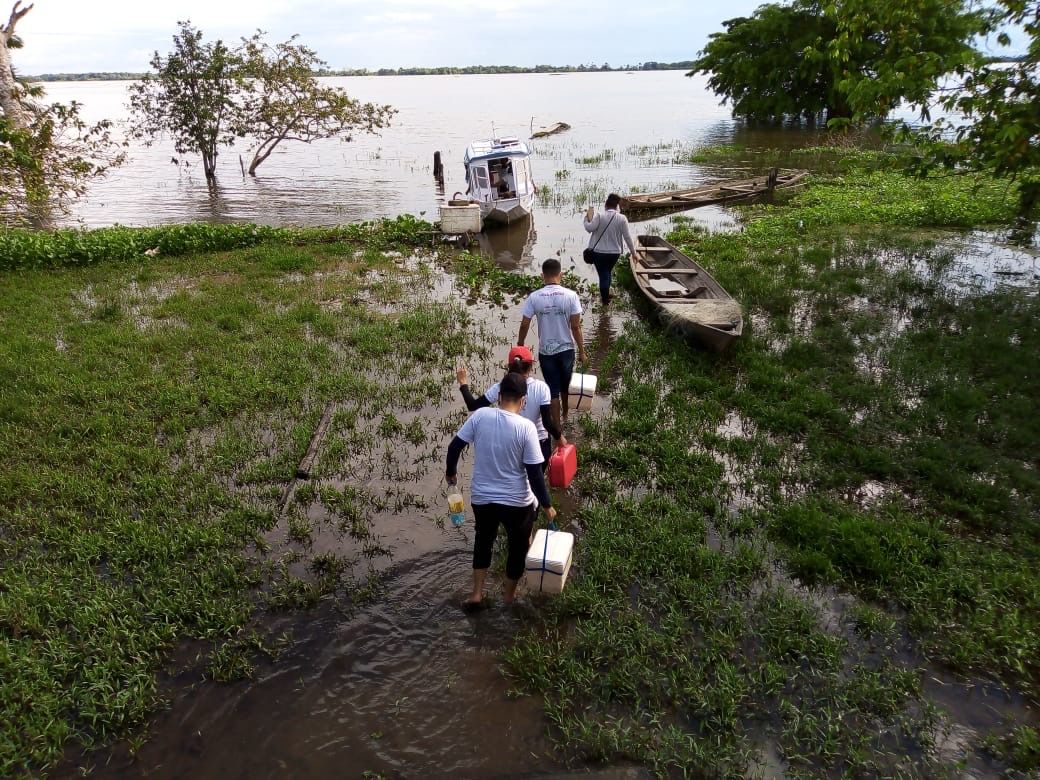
[(498, 178)]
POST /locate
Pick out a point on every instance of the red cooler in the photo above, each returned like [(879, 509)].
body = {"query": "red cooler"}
[(563, 465)]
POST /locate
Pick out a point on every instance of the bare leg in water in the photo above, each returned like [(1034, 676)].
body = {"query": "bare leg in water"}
[(477, 596), (479, 575)]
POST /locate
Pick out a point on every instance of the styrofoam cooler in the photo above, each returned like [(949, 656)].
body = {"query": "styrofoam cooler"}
[(549, 561), (563, 465), (581, 392), (461, 219)]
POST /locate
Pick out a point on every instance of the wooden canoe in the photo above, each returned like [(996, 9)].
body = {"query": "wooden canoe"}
[(685, 296), (713, 194)]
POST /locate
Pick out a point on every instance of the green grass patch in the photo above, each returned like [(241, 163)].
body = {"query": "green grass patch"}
[(875, 431), (154, 408)]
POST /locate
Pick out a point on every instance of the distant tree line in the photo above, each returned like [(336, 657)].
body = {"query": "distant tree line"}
[(440, 71)]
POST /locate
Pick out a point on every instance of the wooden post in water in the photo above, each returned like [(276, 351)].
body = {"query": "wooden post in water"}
[(438, 168), (771, 180)]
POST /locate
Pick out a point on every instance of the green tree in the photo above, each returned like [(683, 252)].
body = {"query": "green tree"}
[(769, 65), (190, 96), (283, 101), (849, 60), (889, 52), (48, 153), (1000, 106)]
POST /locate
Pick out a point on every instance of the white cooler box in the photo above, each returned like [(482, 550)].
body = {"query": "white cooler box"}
[(581, 392), (461, 219), (549, 561)]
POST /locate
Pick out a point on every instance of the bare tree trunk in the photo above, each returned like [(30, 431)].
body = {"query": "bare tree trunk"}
[(37, 197), (10, 104)]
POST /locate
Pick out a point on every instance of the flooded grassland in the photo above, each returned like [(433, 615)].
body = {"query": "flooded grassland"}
[(817, 555), (814, 555)]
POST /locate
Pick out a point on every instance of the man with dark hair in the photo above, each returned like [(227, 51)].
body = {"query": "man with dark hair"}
[(558, 311), (507, 478)]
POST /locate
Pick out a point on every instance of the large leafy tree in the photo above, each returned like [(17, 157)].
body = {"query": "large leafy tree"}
[(996, 110), (190, 96), (888, 52), (283, 101), (769, 65), (842, 59), (48, 153)]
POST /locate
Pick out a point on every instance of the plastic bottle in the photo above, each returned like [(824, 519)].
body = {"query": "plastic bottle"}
[(456, 507)]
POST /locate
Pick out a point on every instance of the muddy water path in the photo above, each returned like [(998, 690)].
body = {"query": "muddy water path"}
[(408, 685)]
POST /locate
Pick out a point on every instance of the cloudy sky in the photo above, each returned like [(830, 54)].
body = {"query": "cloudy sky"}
[(76, 36)]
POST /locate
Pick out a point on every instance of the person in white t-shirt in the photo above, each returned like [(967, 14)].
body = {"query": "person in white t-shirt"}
[(507, 478), (537, 407), (558, 311)]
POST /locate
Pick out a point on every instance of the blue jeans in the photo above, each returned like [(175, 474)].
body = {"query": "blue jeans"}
[(605, 263), (557, 370)]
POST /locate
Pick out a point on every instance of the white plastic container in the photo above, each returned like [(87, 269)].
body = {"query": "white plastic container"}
[(460, 219), (549, 561), (581, 392)]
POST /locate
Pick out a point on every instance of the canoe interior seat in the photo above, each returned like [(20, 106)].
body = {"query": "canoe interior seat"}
[(652, 262)]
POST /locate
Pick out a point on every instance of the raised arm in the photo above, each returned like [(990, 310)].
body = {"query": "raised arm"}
[(471, 403)]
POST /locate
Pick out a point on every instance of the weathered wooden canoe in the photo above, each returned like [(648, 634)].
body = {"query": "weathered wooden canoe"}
[(712, 194), (553, 129), (685, 296)]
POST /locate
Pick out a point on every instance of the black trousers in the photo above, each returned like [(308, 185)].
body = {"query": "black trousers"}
[(605, 263), (518, 521)]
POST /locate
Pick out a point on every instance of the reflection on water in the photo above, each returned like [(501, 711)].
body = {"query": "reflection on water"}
[(627, 134)]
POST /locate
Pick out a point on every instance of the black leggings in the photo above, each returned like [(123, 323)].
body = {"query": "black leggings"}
[(518, 520), (546, 445)]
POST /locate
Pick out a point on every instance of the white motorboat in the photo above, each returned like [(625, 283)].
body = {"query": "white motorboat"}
[(498, 172)]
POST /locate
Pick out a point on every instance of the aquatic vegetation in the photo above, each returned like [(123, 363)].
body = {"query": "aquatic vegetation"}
[(872, 438), (48, 249), (594, 160), (154, 413)]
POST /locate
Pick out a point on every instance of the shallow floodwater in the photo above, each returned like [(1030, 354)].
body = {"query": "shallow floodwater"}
[(410, 686), (627, 131)]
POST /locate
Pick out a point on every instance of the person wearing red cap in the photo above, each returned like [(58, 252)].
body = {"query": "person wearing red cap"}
[(507, 485), (558, 312), (538, 407)]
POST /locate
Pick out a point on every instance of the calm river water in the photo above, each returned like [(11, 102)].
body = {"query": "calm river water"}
[(627, 129)]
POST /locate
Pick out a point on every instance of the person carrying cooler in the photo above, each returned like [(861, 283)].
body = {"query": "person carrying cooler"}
[(507, 478), (558, 311), (537, 407)]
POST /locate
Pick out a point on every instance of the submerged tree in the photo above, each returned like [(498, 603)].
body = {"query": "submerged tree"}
[(191, 97), (48, 153), (206, 95), (283, 101)]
